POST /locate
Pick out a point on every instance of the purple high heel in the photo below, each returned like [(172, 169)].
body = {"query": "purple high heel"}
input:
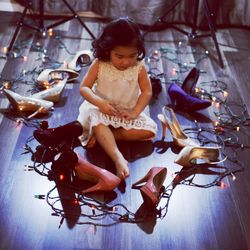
[(184, 101)]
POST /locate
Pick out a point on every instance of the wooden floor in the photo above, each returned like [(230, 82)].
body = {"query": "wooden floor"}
[(197, 217)]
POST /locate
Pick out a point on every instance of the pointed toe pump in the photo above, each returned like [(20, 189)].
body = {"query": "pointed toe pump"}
[(189, 156), (184, 101), (53, 137), (82, 58), (49, 77), (169, 120), (27, 104), (53, 93), (190, 81), (153, 180), (105, 180)]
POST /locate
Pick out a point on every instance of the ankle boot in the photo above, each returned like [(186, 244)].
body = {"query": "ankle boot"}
[(183, 101), (52, 137)]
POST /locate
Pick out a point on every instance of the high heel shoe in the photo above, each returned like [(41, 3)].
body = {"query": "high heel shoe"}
[(27, 104), (190, 155), (106, 181), (184, 101), (49, 77), (150, 191), (53, 93), (53, 137), (179, 137), (190, 81), (81, 59)]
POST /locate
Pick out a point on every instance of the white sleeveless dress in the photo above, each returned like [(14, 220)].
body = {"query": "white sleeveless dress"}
[(120, 88)]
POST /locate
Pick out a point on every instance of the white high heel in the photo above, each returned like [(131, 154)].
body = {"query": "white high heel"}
[(49, 77), (190, 155), (53, 93), (179, 137), (81, 59), (27, 104)]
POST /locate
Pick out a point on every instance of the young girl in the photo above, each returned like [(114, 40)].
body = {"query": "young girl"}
[(116, 90)]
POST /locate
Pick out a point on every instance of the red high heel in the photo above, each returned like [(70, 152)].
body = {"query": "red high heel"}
[(154, 179), (106, 181)]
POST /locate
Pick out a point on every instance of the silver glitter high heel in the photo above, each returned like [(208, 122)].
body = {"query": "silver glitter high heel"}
[(27, 104)]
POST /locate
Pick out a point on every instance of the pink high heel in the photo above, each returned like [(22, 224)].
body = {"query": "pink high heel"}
[(106, 181), (150, 191)]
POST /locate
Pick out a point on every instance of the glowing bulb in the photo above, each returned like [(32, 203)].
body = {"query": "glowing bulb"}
[(50, 32), (197, 90), (65, 64), (216, 123), (238, 128), (179, 44), (214, 98), (6, 85), (222, 184), (25, 58), (233, 176), (5, 50), (174, 71), (225, 93), (217, 104), (75, 201), (61, 177), (206, 52)]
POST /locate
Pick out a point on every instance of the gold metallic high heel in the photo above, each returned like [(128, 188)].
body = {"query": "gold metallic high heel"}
[(81, 59), (27, 104), (49, 77), (53, 93), (190, 155), (179, 137)]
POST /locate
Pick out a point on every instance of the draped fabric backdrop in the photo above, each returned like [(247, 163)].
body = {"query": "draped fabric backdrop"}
[(146, 12)]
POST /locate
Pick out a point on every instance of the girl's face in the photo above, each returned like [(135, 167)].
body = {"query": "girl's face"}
[(123, 57)]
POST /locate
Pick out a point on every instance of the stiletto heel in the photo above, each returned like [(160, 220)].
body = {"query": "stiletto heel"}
[(179, 137), (106, 181), (150, 191), (27, 104), (52, 94), (189, 156)]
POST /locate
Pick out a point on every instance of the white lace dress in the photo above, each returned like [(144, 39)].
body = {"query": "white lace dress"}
[(120, 88)]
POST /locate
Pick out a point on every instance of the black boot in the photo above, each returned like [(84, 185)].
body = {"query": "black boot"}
[(63, 135)]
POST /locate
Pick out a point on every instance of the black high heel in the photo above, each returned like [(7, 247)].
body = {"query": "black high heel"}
[(53, 137), (190, 81)]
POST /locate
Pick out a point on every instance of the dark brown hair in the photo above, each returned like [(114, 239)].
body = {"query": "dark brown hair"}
[(120, 32)]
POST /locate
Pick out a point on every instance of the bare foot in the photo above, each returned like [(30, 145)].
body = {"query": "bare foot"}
[(91, 143), (122, 170)]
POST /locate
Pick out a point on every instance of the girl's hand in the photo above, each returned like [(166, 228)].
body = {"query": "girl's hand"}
[(107, 108), (128, 114)]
